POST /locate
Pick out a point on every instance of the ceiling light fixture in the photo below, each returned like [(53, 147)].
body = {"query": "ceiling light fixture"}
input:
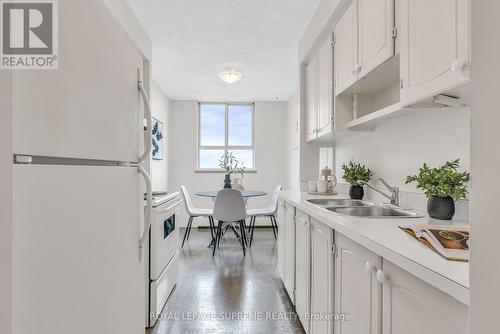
[(230, 76)]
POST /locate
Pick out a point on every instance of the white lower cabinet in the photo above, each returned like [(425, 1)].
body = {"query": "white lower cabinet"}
[(357, 292), (321, 278), (280, 220), (329, 277), (412, 306), (289, 251), (303, 267)]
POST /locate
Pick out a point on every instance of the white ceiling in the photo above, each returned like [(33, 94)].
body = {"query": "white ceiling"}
[(193, 40)]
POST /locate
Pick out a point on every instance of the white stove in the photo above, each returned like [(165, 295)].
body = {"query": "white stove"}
[(161, 197), (162, 264)]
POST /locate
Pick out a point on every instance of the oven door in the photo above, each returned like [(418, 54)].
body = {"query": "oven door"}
[(164, 237)]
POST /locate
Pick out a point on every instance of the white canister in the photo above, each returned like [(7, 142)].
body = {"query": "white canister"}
[(313, 186), (322, 186)]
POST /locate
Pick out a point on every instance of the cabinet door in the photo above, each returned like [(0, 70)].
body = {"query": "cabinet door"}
[(346, 49), (312, 98), (375, 24), (281, 240), (435, 50), (321, 277), (325, 87), (302, 268), (289, 251), (357, 291), (412, 306)]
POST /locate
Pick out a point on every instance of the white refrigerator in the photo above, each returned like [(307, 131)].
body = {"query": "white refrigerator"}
[(79, 209)]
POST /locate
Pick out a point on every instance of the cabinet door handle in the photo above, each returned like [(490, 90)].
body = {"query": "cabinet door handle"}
[(358, 69), (369, 268), (458, 65), (381, 277)]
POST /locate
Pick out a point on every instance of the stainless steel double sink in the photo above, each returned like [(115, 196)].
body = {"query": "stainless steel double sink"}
[(359, 208)]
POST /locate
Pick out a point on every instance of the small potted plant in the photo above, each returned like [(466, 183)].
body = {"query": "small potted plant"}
[(354, 173), (231, 165), (442, 186)]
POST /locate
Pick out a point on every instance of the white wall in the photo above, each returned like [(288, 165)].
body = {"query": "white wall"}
[(136, 32), (270, 156), (485, 159), (324, 18), (5, 200), (399, 146), (292, 143), (160, 108)]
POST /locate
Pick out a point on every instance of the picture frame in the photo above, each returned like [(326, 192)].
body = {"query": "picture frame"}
[(157, 137)]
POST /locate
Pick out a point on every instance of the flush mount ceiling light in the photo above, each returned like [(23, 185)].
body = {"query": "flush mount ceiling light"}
[(230, 76)]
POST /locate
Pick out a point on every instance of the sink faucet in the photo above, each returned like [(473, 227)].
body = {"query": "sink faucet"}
[(394, 195)]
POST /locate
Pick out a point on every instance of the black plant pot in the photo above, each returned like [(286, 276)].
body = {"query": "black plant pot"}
[(442, 208), (356, 192), (227, 181)]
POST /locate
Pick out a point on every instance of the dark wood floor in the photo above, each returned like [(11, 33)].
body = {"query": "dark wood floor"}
[(228, 293)]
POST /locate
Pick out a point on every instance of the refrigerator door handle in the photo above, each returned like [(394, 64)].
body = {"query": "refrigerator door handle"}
[(148, 137), (149, 207)]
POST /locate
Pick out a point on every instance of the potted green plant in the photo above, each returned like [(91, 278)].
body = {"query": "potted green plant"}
[(442, 186), (354, 173), (231, 165)]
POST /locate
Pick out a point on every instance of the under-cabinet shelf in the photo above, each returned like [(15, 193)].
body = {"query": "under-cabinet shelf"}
[(368, 121)]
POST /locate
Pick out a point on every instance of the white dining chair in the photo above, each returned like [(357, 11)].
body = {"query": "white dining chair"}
[(194, 212), (269, 211), (230, 208)]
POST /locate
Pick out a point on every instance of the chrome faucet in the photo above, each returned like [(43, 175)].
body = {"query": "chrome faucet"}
[(394, 196)]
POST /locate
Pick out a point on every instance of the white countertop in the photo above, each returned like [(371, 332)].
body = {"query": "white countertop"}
[(383, 237)]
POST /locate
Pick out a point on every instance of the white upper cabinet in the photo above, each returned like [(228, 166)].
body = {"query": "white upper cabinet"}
[(325, 87), (346, 49), (302, 267), (412, 306), (356, 288), (312, 99), (376, 29), (319, 92), (363, 40), (435, 47)]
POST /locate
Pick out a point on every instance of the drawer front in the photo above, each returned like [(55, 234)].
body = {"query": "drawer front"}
[(161, 289), (164, 238)]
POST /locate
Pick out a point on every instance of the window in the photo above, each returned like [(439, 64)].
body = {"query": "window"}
[(225, 127)]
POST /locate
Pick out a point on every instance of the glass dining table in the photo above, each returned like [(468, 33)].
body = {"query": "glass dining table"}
[(244, 193)]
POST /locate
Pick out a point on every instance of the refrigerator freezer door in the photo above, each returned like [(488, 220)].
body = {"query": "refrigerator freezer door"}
[(89, 108), (76, 266)]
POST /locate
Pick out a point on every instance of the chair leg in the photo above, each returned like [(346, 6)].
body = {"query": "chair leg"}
[(188, 227), (221, 232), (275, 224), (217, 237), (212, 227), (254, 218), (245, 238), (272, 225), (242, 228)]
